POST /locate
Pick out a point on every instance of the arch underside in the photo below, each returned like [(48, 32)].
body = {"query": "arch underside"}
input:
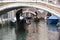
[(9, 7)]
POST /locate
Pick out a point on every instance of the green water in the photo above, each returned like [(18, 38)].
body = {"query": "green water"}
[(10, 34)]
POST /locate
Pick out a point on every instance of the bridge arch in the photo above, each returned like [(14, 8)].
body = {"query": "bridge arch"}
[(9, 7)]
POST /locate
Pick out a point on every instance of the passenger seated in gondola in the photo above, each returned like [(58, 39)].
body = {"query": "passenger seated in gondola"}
[(36, 18), (28, 17), (20, 21)]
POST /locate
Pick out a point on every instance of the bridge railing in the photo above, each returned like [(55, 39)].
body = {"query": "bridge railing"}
[(46, 2)]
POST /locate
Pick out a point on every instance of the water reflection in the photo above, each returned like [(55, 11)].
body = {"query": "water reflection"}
[(21, 35), (10, 34), (52, 27), (53, 33)]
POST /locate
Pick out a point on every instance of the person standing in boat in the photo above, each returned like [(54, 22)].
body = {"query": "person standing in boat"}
[(20, 20)]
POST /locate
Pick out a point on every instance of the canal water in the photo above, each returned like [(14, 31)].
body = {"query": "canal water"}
[(53, 33), (52, 27), (10, 34)]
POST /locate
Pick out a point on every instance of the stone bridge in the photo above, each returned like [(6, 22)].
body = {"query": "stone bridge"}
[(41, 5), (8, 6)]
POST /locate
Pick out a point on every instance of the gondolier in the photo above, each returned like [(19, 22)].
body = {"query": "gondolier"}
[(20, 21)]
